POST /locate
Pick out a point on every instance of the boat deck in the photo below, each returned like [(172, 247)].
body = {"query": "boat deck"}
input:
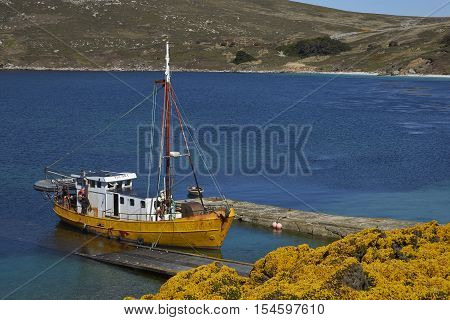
[(166, 262)]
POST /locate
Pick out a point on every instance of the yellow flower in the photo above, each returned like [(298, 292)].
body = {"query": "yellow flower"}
[(410, 263)]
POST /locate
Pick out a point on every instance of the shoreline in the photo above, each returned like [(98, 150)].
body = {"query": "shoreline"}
[(312, 223), (343, 73)]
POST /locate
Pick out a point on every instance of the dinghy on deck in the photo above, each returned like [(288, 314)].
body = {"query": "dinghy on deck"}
[(54, 183), (50, 185), (195, 192)]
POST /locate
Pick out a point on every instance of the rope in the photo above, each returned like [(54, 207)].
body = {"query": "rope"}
[(185, 120), (163, 119), (193, 248), (173, 222), (187, 146), (152, 134), (76, 148)]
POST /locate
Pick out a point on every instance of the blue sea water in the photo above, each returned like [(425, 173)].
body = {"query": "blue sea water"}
[(378, 147)]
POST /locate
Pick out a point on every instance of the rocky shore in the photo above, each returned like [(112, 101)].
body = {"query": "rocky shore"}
[(8, 67)]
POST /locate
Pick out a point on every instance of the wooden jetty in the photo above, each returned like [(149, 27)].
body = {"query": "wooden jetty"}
[(162, 261)]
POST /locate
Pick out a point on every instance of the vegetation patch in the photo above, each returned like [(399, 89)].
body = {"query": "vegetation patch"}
[(322, 46), (407, 263), (446, 41), (243, 57), (393, 44)]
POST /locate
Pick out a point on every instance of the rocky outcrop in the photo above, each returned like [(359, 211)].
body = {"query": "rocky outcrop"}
[(298, 67), (417, 66)]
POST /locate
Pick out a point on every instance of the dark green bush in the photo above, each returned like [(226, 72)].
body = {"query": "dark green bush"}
[(372, 46), (242, 57), (446, 40), (315, 47), (393, 44)]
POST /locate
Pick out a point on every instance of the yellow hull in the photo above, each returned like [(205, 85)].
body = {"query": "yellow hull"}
[(201, 231)]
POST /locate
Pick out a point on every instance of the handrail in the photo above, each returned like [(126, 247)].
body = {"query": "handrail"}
[(57, 173)]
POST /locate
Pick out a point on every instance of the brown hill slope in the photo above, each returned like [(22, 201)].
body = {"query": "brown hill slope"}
[(207, 34)]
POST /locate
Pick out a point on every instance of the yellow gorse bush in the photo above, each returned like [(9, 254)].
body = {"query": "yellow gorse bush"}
[(412, 263)]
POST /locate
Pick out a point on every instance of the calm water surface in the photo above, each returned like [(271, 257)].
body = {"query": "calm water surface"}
[(378, 148)]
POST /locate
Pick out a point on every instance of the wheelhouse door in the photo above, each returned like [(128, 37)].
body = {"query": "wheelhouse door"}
[(116, 205)]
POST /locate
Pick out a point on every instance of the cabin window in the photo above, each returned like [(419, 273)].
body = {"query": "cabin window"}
[(132, 202), (99, 184), (92, 183), (128, 182), (143, 204), (122, 201)]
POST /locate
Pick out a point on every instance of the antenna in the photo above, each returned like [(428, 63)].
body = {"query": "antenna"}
[(167, 63)]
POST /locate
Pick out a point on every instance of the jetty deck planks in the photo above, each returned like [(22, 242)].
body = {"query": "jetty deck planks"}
[(166, 262)]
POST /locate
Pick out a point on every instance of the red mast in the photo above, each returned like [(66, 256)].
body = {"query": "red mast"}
[(168, 111), (166, 131)]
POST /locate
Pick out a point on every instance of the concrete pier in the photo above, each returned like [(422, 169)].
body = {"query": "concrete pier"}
[(313, 223)]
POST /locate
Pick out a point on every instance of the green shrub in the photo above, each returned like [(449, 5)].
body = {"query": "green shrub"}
[(242, 57), (372, 46), (393, 44), (446, 40), (315, 47)]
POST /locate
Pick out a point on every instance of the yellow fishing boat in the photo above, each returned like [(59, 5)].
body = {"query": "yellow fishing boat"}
[(104, 202), (205, 230)]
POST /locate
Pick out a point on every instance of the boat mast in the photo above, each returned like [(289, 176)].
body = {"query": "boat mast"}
[(168, 111), (169, 96)]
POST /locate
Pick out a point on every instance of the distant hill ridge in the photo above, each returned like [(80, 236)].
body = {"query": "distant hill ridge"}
[(207, 34)]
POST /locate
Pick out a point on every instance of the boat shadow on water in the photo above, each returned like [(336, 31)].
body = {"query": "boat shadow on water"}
[(67, 237), (165, 261)]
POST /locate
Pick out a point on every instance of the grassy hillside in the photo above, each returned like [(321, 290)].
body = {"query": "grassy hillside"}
[(207, 34)]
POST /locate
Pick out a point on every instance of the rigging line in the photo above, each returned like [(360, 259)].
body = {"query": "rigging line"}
[(185, 120), (159, 236), (76, 148), (187, 146), (189, 243), (161, 144), (152, 134), (290, 193), (202, 156), (110, 73), (353, 65), (167, 145), (48, 268)]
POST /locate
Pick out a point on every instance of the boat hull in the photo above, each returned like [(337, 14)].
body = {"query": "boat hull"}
[(200, 231)]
